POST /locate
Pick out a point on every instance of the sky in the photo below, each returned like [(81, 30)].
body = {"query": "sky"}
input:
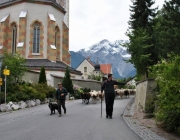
[(91, 21)]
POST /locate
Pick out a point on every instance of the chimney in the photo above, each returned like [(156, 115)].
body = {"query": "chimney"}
[(88, 58)]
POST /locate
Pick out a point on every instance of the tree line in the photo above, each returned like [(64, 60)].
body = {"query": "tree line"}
[(154, 45)]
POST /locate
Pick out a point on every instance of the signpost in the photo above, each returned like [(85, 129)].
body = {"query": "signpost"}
[(5, 72), (1, 58)]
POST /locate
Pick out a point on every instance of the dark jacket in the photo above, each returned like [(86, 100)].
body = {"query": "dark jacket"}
[(108, 86), (59, 92)]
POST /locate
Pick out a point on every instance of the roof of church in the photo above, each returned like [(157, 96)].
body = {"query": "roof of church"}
[(58, 65), (4, 1), (7, 2)]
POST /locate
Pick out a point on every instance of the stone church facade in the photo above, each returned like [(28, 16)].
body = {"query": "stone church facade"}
[(39, 31), (35, 29)]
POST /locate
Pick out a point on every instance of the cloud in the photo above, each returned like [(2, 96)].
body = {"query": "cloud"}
[(94, 20)]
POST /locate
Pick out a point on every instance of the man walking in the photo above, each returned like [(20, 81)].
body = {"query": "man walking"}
[(108, 87), (61, 93)]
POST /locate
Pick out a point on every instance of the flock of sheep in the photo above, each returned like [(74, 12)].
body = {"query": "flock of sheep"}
[(96, 96)]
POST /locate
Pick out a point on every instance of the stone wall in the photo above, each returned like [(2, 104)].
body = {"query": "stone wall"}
[(84, 83), (34, 77), (143, 88)]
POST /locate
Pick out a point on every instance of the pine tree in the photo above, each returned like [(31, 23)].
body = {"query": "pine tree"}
[(167, 29), (67, 82), (42, 76), (141, 14), (140, 33)]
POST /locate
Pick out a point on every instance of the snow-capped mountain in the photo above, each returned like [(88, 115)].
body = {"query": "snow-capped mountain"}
[(105, 52)]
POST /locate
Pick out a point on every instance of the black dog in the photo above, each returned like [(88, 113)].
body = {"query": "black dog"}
[(53, 107)]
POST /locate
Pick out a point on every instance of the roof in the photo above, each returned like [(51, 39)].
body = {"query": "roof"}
[(87, 60), (90, 62), (105, 68), (33, 64), (4, 3)]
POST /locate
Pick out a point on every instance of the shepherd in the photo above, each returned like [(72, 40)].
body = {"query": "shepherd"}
[(108, 87)]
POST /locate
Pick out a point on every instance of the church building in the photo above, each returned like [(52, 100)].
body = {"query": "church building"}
[(39, 31)]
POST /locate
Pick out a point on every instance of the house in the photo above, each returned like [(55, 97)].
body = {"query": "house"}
[(88, 68), (39, 31)]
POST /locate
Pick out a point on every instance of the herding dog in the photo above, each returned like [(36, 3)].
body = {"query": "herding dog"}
[(53, 107)]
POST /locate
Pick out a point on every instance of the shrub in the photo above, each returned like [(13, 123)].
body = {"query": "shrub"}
[(167, 75), (43, 88), (150, 103), (77, 94), (86, 89)]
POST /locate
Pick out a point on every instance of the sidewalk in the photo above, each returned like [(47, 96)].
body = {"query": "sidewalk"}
[(134, 124)]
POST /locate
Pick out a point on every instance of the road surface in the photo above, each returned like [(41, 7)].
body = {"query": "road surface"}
[(82, 122)]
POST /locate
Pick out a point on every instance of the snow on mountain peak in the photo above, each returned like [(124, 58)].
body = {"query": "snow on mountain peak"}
[(106, 47)]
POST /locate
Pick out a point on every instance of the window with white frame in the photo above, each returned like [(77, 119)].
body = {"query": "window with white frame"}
[(85, 69), (14, 37), (36, 38)]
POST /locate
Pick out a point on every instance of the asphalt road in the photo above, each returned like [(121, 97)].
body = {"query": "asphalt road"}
[(82, 122)]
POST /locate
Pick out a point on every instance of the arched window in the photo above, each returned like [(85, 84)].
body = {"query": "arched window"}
[(14, 37), (56, 35), (36, 38), (57, 41)]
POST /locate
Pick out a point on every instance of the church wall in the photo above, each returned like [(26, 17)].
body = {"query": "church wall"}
[(65, 46), (35, 12)]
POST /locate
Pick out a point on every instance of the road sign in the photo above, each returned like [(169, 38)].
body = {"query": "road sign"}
[(0, 81), (6, 72)]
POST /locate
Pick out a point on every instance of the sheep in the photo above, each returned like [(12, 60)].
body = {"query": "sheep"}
[(126, 93), (85, 97), (120, 92), (94, 96), (132, 91), (101, 96)]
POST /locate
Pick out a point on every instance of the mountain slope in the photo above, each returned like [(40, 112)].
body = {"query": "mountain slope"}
[(108, 52), (76, 59)]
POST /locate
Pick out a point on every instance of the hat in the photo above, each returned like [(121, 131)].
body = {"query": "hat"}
[(59, 83)]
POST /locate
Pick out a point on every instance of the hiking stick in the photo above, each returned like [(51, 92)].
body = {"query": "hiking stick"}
[(101, 106)]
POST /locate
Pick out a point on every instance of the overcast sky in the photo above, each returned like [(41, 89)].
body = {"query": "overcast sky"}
[(91, 21)]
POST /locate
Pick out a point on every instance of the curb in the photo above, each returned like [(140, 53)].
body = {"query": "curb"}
[(142, 131)]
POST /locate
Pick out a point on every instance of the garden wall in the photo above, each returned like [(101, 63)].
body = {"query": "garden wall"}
[(85, 83), (143, 89)]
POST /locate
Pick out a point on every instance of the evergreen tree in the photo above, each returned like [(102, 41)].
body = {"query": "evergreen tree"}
[(139, 50), (167, 29), (140, 33), (42, 76), (141, 14), (67, 82)]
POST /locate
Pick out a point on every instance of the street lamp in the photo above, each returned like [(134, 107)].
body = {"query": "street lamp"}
[(1, 58)]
